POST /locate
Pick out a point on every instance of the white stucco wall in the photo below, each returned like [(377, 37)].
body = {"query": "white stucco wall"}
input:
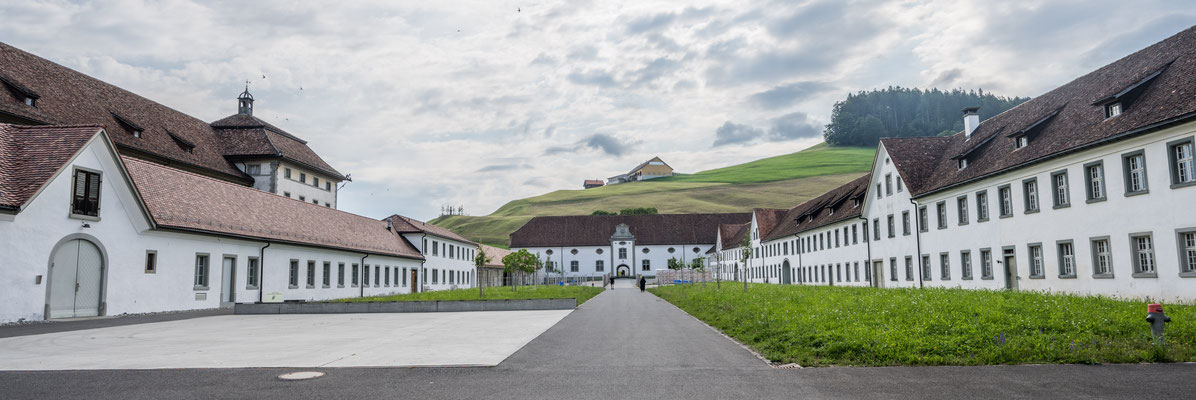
[(305, 189), (444, 262), (587, 257)]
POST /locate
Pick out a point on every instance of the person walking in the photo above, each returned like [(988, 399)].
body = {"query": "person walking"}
[(643, 283), (612, 282)]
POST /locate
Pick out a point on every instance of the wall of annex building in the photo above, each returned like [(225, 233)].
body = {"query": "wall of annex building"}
[(587, 257), (266, 178), (1161, 212), (450, 260), (384, 274), (894, 251), (835, 254), (323, 194)]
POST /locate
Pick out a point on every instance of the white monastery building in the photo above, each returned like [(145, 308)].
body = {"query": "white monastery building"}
[(111, 203)]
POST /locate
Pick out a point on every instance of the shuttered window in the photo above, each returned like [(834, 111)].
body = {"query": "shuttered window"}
[(86, 195)]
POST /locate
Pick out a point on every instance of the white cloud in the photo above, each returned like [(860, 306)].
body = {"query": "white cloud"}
[(462, 101)]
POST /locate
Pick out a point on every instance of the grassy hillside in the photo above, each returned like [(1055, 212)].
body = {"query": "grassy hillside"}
[(776, 182)]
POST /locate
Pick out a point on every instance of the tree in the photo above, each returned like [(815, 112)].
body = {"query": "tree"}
[(865, 117), (674, 263), (639, 211), (521, 261), (697, 264), (601, 212), (745, 255), (480, 260)]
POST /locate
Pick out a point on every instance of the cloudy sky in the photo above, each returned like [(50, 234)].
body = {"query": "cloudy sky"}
[(481, 102)]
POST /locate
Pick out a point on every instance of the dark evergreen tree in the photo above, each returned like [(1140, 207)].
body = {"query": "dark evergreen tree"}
[(865, 117)]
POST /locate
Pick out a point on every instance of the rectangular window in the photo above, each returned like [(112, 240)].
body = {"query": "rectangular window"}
[(622, 254), (961, 203), (1030, 189), (303, 177), (1102, 260), (888, 184), (1036, 261), (405, 272), (986, 264), (1006, 194), (386, 276), (926, 267), (293, 275), (965, 264), (892, 226), (876, 229), (905, 223), (573, 266), (1067, 259), (647, 265), (251, 273), (328, 186), (327, 274), (85, 199), (855, 234), (201, 271), (1183, 166), (286, 173), (893, 267), (435, 277), (151, 261), (942, 211), (253, 169), (1061, 193), (1134, 165), (899, 187), (1094, 181), (340, 274), (435, 248), (315, 181), (356, 272), (923, 219), (599, 266), (982, 206), (945, 265), (311, 274), (1143, 245), (879, 194), (365, 275), (1187, 252)]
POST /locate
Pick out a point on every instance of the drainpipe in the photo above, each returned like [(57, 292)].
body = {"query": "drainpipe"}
[(422, 271), (799, 266), (261, 272), (918, 241), (361, 276), (868, 246)]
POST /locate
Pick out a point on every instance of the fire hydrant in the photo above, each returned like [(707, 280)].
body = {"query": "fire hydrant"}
[(1157, 320)]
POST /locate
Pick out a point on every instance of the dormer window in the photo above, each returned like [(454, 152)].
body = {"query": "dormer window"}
[(963, 163), (29, 101), (1112, 110), (136, 133), (183, 144), (1020, 141)]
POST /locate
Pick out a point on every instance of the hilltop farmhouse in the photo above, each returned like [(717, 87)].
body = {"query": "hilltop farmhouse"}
[(111, 203), (651, 169)]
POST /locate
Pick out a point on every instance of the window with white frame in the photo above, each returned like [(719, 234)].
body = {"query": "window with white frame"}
[(961, 204), (892, 226), (945, 263), (1006, 195), (647, 265), (923, 219), (986, 264), (876, 229), (311, 274), (1112, 110), (905, 223), (1094, 181), (1187, 252), (1020, 141), (303, 177), (1183, 166), (365, 275), (293, 275), (623, 254), (900, 187), (1067, 259), (942, 211), (327, 274), (85, 196), (965, 264), (1102, 261), (340, 274), (1143, 245), (1135, 173), (888, 184), (574, 266), (599, 265), (981, 206), (252, 271), (925, 267), (1036, 261), (151, 261), (202, 270), (356, 272), (1030, 188), (1061, 194)]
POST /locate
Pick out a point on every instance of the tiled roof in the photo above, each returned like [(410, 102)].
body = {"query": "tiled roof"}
[(31, 155), (495, 254), (594, 182), (733, 234), (246, 135), (596, 230), (1078, 122), (404, 224), (187, 201), (817, 212), (767, 218)]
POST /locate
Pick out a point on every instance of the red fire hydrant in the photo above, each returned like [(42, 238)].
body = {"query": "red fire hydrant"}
[(1157, 320)]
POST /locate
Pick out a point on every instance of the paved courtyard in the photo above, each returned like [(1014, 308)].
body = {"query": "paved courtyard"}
[(306, 341), (622, 344)]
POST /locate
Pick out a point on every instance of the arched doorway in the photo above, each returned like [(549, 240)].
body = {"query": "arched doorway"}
[(76, 280), (623, 271), (786, 274)]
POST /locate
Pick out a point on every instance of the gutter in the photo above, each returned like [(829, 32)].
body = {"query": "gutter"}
[(868, 246), (361, 278), (261, 272), (918, 240)]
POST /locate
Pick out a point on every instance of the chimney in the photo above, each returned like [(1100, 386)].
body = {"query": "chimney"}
[(971, 120)]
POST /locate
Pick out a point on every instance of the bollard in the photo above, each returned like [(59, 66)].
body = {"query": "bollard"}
[(1157, 320)]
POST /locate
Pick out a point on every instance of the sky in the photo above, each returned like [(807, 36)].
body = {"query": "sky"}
[(477, 103)]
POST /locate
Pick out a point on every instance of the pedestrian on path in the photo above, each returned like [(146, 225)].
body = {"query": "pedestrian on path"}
[(612, 283), (643, 283)]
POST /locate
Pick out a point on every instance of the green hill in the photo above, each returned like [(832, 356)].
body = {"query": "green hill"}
[(775, 182)]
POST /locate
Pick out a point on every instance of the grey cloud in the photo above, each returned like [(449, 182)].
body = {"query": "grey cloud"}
[(788, 94), (1149, 33), (584, 52), (795, 125), (732, 133), (598, 78), (549, 131), (503, 167), (650, 23), (544, 59), (608, 144), (539, 182), (947, 78), (656, 69), (554, 150), (684, 84)]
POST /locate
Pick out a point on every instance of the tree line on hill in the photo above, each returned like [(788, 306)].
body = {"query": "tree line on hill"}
[(865, 117), (628, 211)]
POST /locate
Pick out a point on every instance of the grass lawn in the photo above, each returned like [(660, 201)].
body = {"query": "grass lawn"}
[(823, 326), (581, 293)]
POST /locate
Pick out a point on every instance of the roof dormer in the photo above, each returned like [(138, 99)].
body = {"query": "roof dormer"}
[(24, 94), (129, 126), (1116, 103), (183, 144)]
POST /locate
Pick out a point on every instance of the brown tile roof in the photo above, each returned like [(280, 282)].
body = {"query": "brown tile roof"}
[(598, 182), (767, 218), (1156, 86), (817, 212), (733, 234), (31, 155), (247, 136), (404, 224), (495, 254), (596, 230), (178, 199)]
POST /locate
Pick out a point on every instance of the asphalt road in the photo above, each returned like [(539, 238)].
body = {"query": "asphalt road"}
[(622, 344)]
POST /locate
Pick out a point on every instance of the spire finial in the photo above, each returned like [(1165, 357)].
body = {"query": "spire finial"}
[(245, 101)]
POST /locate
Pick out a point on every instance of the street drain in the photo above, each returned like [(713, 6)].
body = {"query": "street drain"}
[(301, 375), (788, 366)]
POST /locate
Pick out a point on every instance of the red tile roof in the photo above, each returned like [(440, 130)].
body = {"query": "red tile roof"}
[(182, 200), (404, 224), (247, 136), (495, 254), (767, 218), (1157, 88), (31, 155), (596, 230), (836, 205)]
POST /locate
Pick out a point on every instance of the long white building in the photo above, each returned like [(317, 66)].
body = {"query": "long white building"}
[(1085, 189)]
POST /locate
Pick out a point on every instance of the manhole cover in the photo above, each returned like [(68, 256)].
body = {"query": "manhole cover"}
[(301, 375)]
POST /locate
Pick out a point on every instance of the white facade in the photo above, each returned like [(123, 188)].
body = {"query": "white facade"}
[(297, 182), (187, 271), (448, 263)]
